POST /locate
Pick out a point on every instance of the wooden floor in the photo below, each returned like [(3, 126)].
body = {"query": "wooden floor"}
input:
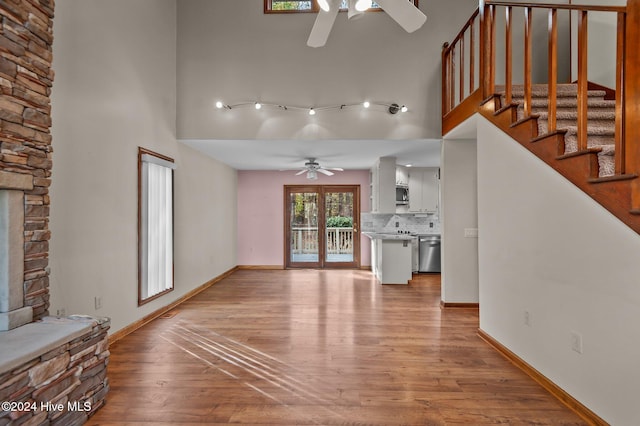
[(308, 347)]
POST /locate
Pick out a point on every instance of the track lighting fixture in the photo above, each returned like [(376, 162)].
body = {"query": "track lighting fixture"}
[(392, 108)]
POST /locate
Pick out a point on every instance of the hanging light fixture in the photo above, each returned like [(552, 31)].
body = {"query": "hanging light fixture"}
[(362, 5), (324, 5)]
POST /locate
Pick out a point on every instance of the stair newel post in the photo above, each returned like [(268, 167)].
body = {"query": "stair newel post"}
[(528, 48), (508, 74), (461, 66), (582, 80), (619, 159), (632, 99), (472, 58), (553, 69), (446, 107), (487, 49), (452, 76)]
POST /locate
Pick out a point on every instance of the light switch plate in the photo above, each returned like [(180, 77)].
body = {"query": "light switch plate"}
[(471, 232)]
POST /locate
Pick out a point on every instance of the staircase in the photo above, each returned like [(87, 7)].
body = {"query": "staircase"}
[(590, 136), (600, 125)]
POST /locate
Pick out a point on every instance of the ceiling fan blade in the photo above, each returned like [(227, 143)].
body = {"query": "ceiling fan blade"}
[(404, 13), (323, 24), (337, 169), (325, 172), (301, 172)]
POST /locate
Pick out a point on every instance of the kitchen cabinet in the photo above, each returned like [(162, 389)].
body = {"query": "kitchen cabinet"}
[(424, 189), (391, 260), (383, 187), (402, 176)]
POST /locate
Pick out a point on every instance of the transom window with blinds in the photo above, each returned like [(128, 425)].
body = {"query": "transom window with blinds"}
[(155, 225)]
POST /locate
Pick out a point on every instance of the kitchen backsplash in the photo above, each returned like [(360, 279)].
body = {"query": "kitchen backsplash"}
[(412, 223)]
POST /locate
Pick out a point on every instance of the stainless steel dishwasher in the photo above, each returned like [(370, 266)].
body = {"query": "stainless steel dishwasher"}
[(429, 253)]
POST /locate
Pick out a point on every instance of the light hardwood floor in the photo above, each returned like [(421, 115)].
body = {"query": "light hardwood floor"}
[(308, 347)]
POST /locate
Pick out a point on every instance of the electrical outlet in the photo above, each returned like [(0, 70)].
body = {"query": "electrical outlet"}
[(576, 342), (527, 318), (98, 302), (62, 312)]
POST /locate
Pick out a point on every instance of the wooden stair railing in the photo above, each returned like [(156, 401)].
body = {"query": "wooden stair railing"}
[(469, 86)]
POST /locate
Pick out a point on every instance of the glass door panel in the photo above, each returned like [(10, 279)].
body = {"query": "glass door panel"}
[(303, 229), (339, 240)]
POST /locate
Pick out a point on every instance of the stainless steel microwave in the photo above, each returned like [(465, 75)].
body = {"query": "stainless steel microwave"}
[(402, 195)]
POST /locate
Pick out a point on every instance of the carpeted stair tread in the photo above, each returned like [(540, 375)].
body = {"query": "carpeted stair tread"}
[(536, 94), (607, 115), (600, 117), (570, 103), (594, 131), (606, 160)]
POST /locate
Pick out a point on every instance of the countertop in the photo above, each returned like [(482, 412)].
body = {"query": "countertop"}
[(383, 236)]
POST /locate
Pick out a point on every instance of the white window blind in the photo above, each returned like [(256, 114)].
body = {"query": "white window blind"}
[(156, 226)]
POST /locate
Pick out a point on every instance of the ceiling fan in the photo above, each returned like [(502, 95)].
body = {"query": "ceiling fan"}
[(403, 12), (311, 168)]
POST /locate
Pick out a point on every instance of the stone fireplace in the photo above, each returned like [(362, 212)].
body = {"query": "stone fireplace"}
[(25, 157), (52, 370)]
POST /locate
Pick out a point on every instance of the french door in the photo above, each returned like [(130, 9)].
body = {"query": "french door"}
[(321, 226)]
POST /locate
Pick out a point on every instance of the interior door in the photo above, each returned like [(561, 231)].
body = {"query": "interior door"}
[(321, 226)]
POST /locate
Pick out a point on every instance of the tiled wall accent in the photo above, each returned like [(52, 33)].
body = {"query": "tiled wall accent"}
[(26, 36), (64, 386), (411, 223)]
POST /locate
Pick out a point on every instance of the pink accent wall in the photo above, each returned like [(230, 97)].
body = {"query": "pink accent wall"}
[(261, 215)]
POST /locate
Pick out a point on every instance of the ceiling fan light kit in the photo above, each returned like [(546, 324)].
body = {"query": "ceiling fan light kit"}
[(406, 14), (312, 168)]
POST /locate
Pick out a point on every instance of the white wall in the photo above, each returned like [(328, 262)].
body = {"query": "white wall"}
[(115, 90), (230, 50), (547, 248), (459, 211)]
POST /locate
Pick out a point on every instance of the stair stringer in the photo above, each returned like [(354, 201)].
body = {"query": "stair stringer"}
[(580, 168)]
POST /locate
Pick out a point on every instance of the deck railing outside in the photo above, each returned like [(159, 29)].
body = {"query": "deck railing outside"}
[(305, 240), (469, 70)]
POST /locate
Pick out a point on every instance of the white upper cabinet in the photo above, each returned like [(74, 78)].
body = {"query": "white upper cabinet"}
[(402, 176), (424, 189), (383, 186)]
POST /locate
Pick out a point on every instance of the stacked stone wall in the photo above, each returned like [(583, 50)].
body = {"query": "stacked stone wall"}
[(26, 37)]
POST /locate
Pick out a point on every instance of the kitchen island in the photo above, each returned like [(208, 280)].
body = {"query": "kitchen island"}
[(391, 257)]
